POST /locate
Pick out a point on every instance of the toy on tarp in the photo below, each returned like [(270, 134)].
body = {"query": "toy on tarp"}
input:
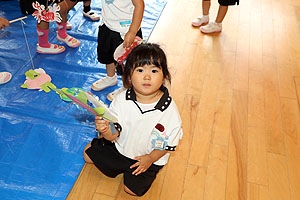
[(74, 91), (38, 79)]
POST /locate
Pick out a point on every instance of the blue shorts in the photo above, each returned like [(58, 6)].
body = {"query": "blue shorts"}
[(110, 162)]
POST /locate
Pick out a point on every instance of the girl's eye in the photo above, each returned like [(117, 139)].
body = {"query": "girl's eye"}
[(139, 70), (154, 70)]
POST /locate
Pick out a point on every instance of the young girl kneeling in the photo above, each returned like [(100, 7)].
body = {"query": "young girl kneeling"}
[(149, 124)]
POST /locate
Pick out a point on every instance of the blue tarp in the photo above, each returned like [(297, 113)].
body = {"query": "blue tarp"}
[(41, 137)]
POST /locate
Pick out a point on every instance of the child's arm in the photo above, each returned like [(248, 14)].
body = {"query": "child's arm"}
[(103, 127), (136, 22), (145, 161)]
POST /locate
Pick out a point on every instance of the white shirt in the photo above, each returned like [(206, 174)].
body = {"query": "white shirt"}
[(117, 15), (146, 127)]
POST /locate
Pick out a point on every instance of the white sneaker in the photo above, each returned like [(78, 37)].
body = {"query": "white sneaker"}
[(113, 94), (212, 27), (69, 25), (92, 15), (104, 83), (198, 21)]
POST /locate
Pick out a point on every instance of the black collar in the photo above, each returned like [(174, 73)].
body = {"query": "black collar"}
[(162, 104)]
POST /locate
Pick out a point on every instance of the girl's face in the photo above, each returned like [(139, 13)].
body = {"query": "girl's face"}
[(147, 80)]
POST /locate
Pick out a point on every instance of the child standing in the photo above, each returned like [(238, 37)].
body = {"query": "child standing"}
[(139, 147), (215, 26), (121, 21), (43, 29)]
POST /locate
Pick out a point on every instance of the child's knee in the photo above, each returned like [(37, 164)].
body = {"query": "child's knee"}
[(127, 190), (85, 156), (63, 7)]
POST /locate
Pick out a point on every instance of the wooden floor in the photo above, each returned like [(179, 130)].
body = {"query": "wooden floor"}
[(238, 93)]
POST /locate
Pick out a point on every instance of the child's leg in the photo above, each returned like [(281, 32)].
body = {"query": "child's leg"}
[(87, 12), (102, 153), (216, 26), (70, 4), (139, 185), (129, 191), (65, 7), (109, 80), (108, 41), (43, 35), (111, 69), (63, 11), (205, 7), (86, 6), (85, 156), (200, 20), (221, 13), (61, 27), (62, 35)]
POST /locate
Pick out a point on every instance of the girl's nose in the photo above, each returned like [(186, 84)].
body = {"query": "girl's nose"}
[(147, 76)]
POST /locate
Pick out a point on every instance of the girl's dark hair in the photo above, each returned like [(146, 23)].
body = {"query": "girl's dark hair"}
[(145, 54)]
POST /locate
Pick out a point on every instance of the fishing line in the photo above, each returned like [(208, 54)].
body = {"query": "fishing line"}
[(27, 43)]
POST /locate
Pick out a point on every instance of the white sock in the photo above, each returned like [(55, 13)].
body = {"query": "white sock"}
[(110, 78)]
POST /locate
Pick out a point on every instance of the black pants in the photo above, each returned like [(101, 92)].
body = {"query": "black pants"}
[(110, 162)]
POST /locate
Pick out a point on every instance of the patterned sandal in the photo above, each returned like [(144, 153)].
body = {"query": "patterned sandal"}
[(69, 40), (53, 49)]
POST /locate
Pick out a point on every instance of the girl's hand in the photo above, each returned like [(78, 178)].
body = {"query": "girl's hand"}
[(142, 164), (3, 23), (101, 124), (103, 127), (128, 39)]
